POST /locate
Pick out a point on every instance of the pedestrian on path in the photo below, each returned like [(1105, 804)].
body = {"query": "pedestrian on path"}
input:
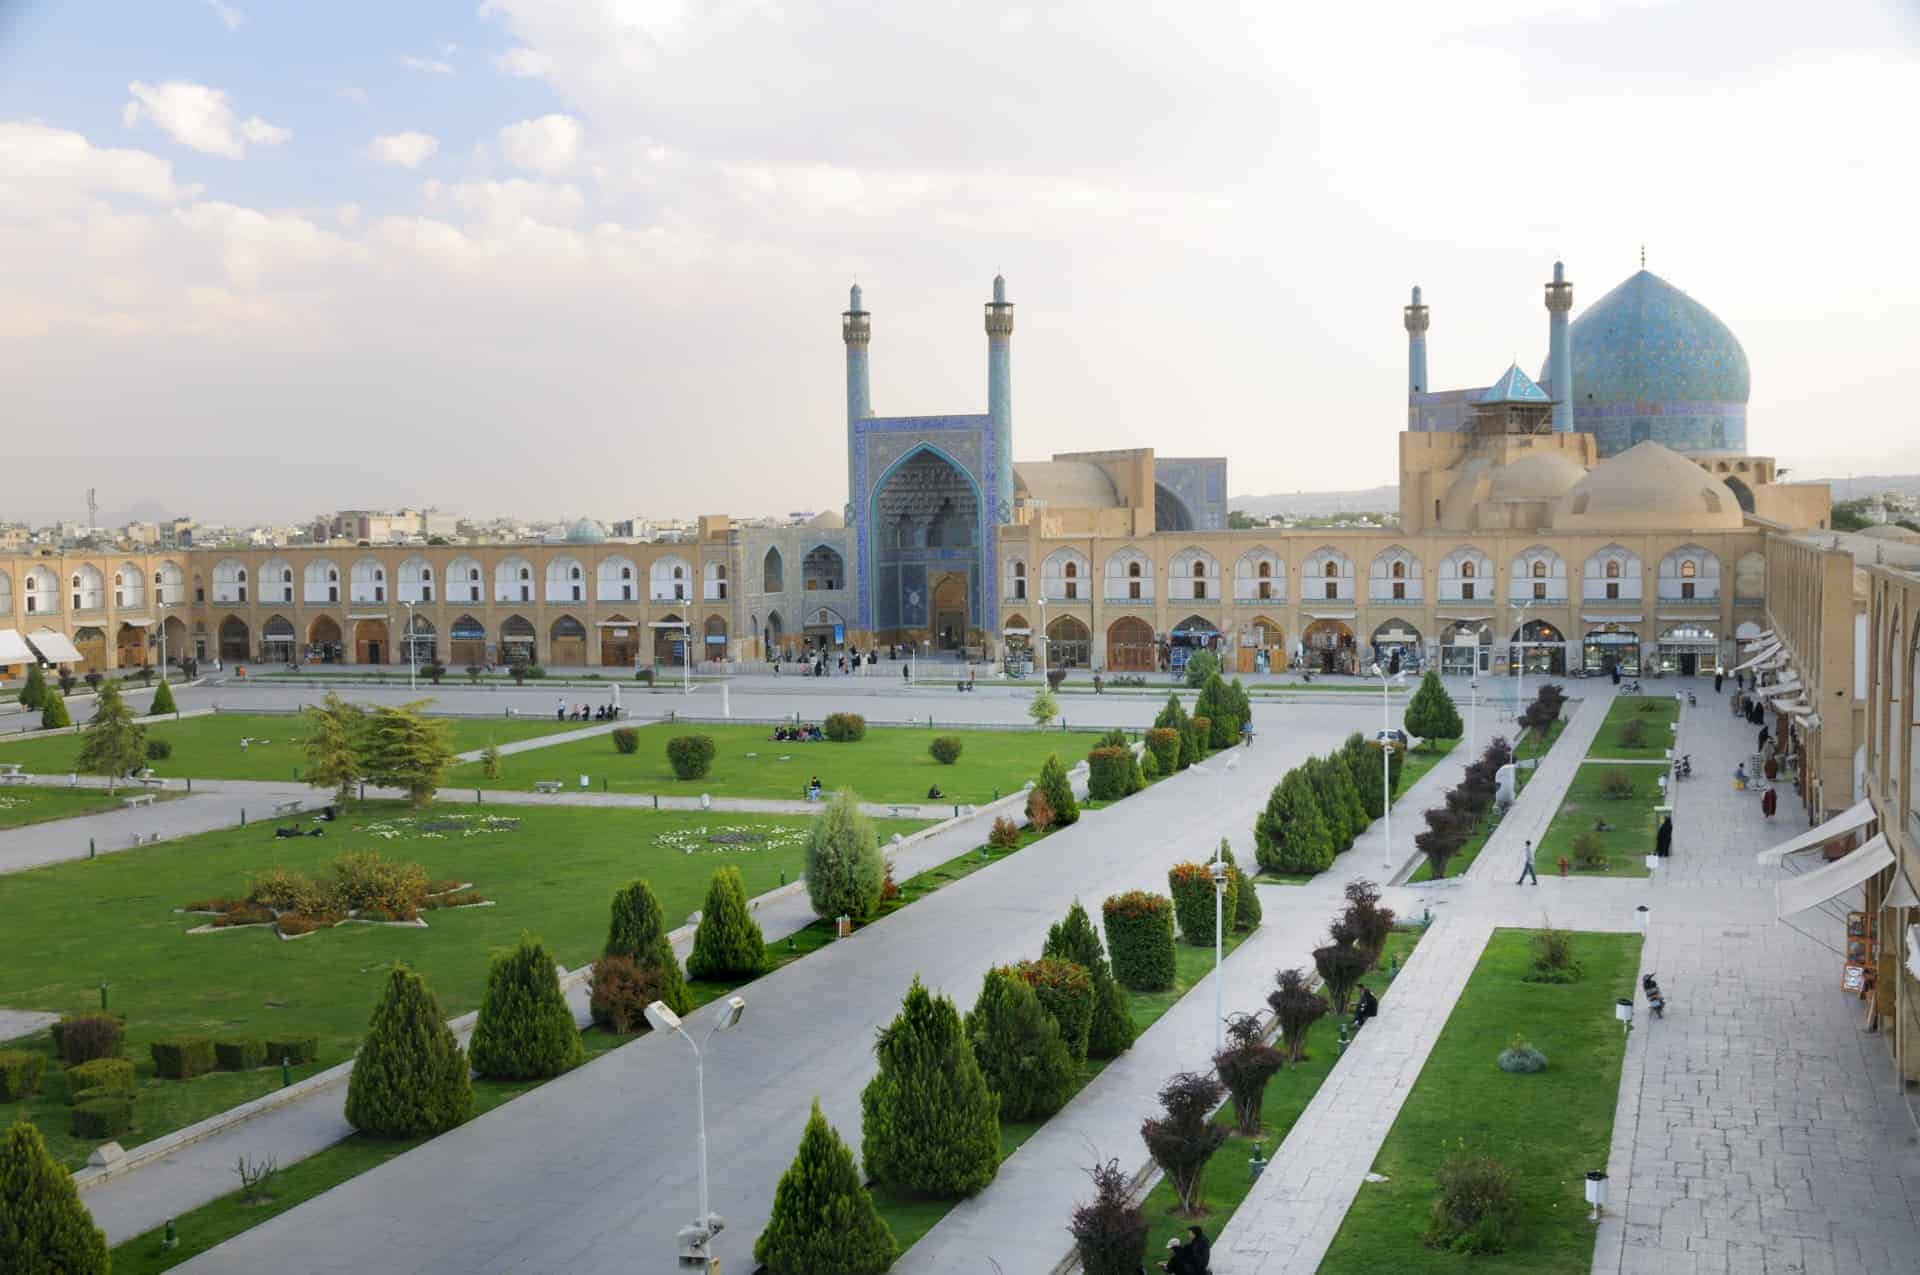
[(1769, 802), (1663, 840), (1719, 679), (1526, 867)]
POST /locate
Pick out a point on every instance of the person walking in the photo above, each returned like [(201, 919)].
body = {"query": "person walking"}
[(1663, 840), (1769, 802), (1526, 866), (1761, 747), (1719, 679)]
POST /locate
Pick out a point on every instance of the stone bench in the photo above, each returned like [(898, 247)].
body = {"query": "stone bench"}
[(15, 777), (547, 785), (143, 799)]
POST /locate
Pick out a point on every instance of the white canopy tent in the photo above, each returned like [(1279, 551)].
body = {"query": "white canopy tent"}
[(1758, 637), (14, 649), (1840, 825), (1765, 652), (1825, 884), (54, 647), (1786, 686)]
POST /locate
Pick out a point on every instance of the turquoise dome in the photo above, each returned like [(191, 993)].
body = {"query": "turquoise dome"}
[(1651, 363), (586, 532)]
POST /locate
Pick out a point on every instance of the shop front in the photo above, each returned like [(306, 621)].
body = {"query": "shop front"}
[(1612, 647), (1263, 647), (1195, 634), (1397, 647), (1016, 643), (1328, 647), (1540, 648), (1130, 645), (1689, 649), (1466, 647), (1069, 643)]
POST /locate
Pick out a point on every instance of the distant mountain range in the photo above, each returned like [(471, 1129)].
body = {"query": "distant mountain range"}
[(1322, 504)]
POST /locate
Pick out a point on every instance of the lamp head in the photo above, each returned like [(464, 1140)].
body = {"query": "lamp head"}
[(730, 1015), (1375, 670), (1219, 870), (661, 1018)]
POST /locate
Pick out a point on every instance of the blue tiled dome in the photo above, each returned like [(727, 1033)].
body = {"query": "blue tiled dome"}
[(1650, 362), (586, 532)]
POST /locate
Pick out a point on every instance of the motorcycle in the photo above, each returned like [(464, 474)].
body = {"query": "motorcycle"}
[(1629, 688), (1683, 766), (1655, 1001), (1691, 701)]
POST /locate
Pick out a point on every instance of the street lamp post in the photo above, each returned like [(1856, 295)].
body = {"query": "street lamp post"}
[(695, 1239), (413, 663), (1218, 870), (1473, 728), (1041, 602), (1387, 681)]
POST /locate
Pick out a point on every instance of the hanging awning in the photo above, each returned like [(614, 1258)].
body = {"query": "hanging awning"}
[(141, 623), (1786, 686), (1017, 632), (1810, 890), (1755, 658), (1901, 895), (1797, 707), (14, 649), (1858, 816), (1913, 950), (54, 647), (1758, 637)]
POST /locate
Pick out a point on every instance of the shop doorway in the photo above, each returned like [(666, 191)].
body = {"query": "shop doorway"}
[(324, 644), (1069, 643), (619, 642), (1328, 647), (370, 642), (1130, 646), (1542, 648), (1612, 647), (950, 611)]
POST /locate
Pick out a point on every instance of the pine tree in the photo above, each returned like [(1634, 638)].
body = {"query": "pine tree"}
[(823, 1220), (1290, 835), (728, 944), (1075, 939), (35, 689), (1215, 703), (844, 866), (1247, 913), (1053, 781), (1333, 811), (162, 700), (1363, 763), (402, 749), (638, 932), (525, 1029), (1431, 713), (44, 1228), (1346, 793), (929, 1123), (53, 710), (1018, 1045), (112, 745), (332, 745), (410, 1077)]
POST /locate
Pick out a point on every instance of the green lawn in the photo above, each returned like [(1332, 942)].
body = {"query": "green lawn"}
[(1424, 758), (24, 804), (1549, 1128), (1530, 748), (112, 920), (890, 764), (209, 747), (1226, 1180), (1657, 711), (1631, 823)]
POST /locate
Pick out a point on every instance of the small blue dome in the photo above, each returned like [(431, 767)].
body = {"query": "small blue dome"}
[(1651, 363), (586, 532)]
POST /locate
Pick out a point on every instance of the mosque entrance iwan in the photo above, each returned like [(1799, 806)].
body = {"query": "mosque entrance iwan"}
[(927, 542)]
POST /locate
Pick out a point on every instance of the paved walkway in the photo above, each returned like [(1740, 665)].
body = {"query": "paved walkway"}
[(212, 806)]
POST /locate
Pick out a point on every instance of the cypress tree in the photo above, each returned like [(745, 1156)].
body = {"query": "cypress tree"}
[(639, 933), (1075, 939), (35, 689), (1431, 713), (1319, 772), (1247, 914), (1364, 765), (1021, 1052), (823, 1220), (1346, 793), (525, 1029), (728, 943), (53, 710), (929, 1123), (43, 1225), (1059, 789), (1216, 704), (162, 699), (844, 866), (411, 1075), (1290, 835)]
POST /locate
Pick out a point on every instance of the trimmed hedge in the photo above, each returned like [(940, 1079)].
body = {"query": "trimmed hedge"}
[(159, 749), (1074, 939), (182, 1057), (243, 1054), (20, 1073), (294, 1050), (1140, 939), (162, 700), (945, 749), (1164, 743), (844, 728), (1066, 993), (101, 1118), (1191, 885), (691, 756), (1019, 1047), (626, 739), (115, 1075), (1109, 773), (79, 1038)]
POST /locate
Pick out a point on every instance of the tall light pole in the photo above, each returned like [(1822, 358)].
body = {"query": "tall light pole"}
[(1041, 602), (1387, 681), (1473, 728), (694, 1239), (1218, 869), (413, 663)]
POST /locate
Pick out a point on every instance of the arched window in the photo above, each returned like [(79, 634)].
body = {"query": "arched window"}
[(1133, 570), (1467, 569), (1539, 569), (1613, 570), (1333, 571)]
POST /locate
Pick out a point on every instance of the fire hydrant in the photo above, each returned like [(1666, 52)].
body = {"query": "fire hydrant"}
[(1564, 865)]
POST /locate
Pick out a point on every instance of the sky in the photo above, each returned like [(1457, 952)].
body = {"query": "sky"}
[(560, 257)]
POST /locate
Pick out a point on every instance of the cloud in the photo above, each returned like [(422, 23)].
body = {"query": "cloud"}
[(523, 63), (549, 145), (229, 16), (427, 66), (47, 170), (516, 199), (199, 117), (403, 150)]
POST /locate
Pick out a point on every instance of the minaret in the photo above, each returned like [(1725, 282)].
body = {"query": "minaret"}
[(1559, 355), (1000, 397), (856, 329), (1415, 317)]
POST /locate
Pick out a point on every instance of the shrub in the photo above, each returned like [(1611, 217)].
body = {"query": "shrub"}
[(1074, 939), (115, 1075), (728, 944), (1164, 744), (1054, 782), (182, 1057), (844, 728), (159, 749), (46, 1227), (294, 926), (844, 866), (1475, 1205), (638, 931), (1553, 958), (945, 749), (525, 1029), (1109, 773), (1110, 1234), (100, 1118), (285, 891), (244, 914), (162, 700), (1139, 929), (490, 760), (1215, 704), (240, 1055), (823, 1220), (534, 672), (1020, 1049), (1290, 835), (295, 1051), (80, 1038), (1199, 735), (1191, 885), (34, 692), (364, 879), (1296, 1008), (411, 1076), (619, 991), (1044, 706), (53, 710), (929, 1123), (1634, 733), (1039, 810), (1366, 918), (1065, 990), (434, 672), (1341, 966), (1617, 786), (1247, 913), (20, 1073), (691, 756), (1589, 854), (1184, 1136), (1150, 767), (1005, 834), (1336, 810), (1245, 1066), (1521, 1058), (1431, 713), (626, 740)]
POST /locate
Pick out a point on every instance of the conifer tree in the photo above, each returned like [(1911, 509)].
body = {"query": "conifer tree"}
[(1075, 939), (1290, 835), (1216, 704), (53, 710), (162, 700), (402, 749), (43, 1225), (1043, 707), (410, 1077), (112, 745), (1431, 713), (1363, 763), (929, 1123), (1346, 793), (844, 866), (1247, 913), (332, 745), (525, 1029), (1333, 811), (823, 1220), (35, 688), (1018, 1045), (638, 932), (728, 944), (1173, 716), (1053, 781)]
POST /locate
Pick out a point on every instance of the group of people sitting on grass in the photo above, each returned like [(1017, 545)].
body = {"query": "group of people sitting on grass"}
[(799, 733), (586, 713)]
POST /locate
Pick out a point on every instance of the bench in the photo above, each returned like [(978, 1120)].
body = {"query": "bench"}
[(9, 769), (291, 806), (144, 799), (152, 781), (15, 777), (905, 812), (547, 785)]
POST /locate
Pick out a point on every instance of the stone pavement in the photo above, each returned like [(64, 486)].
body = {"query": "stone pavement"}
[(211, 806)]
